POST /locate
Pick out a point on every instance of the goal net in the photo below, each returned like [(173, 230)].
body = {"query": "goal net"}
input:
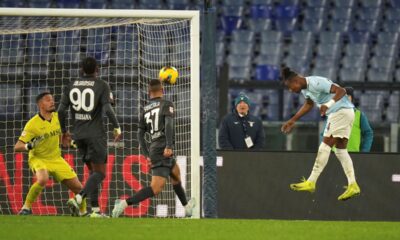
[(41, 49)]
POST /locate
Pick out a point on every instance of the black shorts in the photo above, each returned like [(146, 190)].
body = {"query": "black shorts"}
[(93, 150)]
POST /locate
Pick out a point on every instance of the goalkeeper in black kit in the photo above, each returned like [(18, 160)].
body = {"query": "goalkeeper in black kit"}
[(158, 128), (88, 98)]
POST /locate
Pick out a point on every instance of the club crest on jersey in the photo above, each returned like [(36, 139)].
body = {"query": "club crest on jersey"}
[(171, 109), (23, 134), (251, 124)]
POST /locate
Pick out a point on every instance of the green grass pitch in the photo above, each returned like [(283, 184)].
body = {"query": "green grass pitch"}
[(60, 228)]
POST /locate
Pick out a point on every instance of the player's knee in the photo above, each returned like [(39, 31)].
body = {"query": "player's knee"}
[(99, 175), (42, 181)]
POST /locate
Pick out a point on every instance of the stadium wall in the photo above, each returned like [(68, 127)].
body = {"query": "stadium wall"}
[(256, 185)]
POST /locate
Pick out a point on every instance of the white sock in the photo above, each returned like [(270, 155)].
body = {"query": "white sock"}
[(78, 198), (124, 204), (96, 209), (320, 162), (347, 164)]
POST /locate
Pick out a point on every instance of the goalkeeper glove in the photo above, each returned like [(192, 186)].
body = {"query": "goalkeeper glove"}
[(117, 131), (32, 144)]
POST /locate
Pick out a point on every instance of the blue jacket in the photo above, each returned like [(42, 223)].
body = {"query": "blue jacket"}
[(367, 134), (232, 132)]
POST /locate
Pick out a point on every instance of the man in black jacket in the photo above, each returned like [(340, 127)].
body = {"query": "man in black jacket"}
[(240, 129)]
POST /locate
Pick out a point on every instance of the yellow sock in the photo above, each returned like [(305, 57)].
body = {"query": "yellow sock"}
[(82, 209), (33, 193)]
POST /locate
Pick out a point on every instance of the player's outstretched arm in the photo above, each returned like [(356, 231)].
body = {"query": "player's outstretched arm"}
[(20, 146), (107, 109), (307, 106)]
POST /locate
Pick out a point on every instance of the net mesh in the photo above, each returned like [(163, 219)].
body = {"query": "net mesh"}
[(43, 53)]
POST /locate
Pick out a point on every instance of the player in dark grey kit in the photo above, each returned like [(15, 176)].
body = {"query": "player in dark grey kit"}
[(88, 97), (157, 124)]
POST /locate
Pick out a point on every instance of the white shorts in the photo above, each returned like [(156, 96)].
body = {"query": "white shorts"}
[(340, 123)]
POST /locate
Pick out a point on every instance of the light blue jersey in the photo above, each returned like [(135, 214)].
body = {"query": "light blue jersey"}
[(318, 90)]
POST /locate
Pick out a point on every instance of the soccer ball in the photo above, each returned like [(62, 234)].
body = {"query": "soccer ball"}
[(168, 75)]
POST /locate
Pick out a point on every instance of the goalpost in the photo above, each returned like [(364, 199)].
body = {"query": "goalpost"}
[(40, 49)]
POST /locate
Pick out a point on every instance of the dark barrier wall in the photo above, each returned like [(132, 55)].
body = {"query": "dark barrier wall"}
[(256, 185)]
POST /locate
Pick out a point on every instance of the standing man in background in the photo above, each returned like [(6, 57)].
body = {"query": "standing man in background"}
[(240, 129), (89, 98)]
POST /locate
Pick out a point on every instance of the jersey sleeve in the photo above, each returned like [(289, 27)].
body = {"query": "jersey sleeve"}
[(107, 96), (322, 85), (28, 133), (169, 109)]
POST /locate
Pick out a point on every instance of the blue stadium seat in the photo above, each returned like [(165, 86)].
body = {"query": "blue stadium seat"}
[(397, 75), (10, 101), (393, 108), (329, 50), (180, 54), (241, 48), (369, 13), (313, 25), (255, 2), (302, 37), (392, 14), (391, 26), (239, 73), (326, 37), (379, 75), (68, 3), (315, 13), (154, 51), (299, 64), (268, 60), (354, 62), (39, 3), (239, 60), (151, 4), (329, 72), (95, 4), (366, 26), (394, 3), (259, 25), (301, 49), (232, 11), (286, 25), (352, 74), (284, 11), (317, 3), (359, 37), (12, 3), (178, 4), (339, 25), (267, 73), (325, 61), (357, 49), (122, 4), (382, 62), (12, 49), (372, 104), (243, 36), (230, 23), (231, 2), (344, 3), (271, 36), (262, 11), (270, 103), (126, 50), (271, 49), (388, 38), (290, 104), (371, 3), (342, 13), (385, 50)]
